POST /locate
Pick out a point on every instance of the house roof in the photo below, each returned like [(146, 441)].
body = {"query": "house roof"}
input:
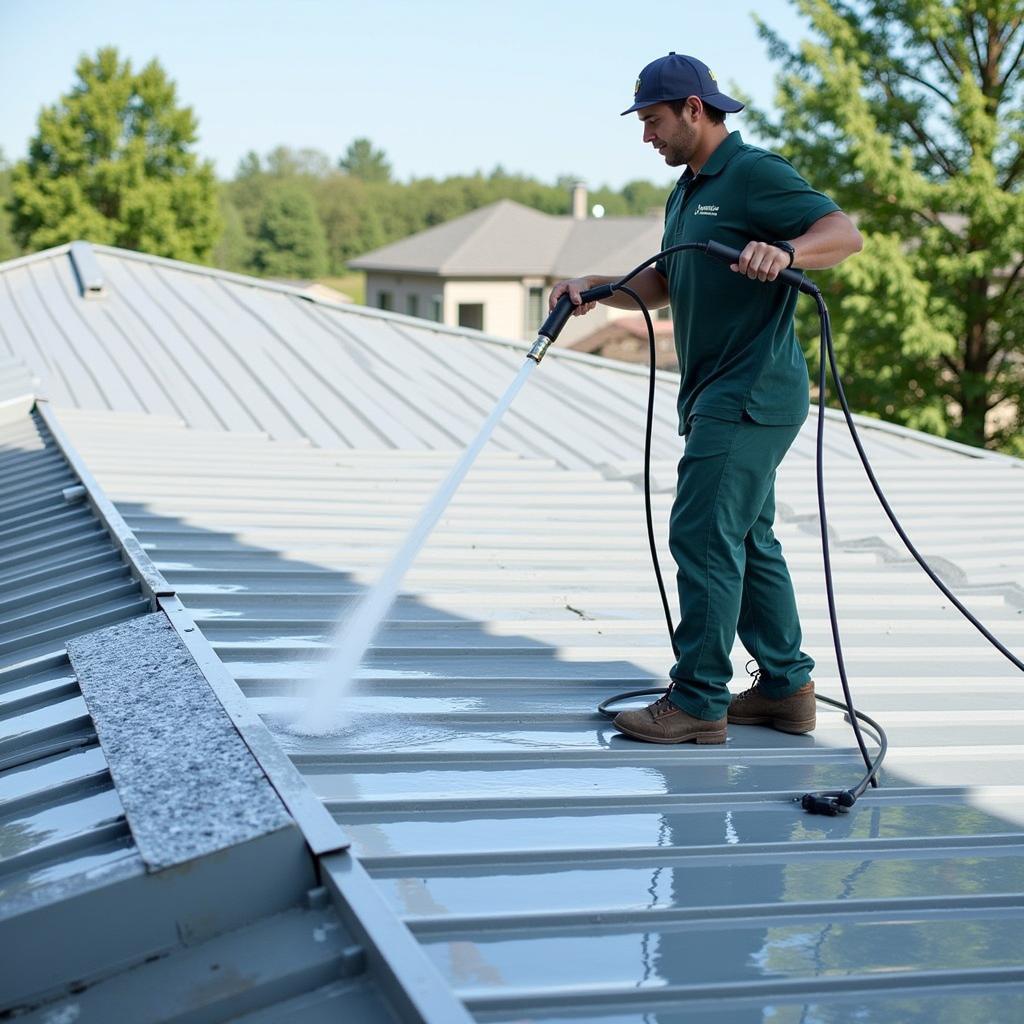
[(548, 868), (507, 239)]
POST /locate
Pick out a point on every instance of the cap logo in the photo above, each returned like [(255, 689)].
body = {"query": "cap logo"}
[(714, 77), (636, 88)]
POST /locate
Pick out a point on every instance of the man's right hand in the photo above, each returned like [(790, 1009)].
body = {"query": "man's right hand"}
[(574, 286)]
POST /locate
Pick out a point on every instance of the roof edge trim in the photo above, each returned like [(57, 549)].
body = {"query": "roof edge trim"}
[(148, 575)]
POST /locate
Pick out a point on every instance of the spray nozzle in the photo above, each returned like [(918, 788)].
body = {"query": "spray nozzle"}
[(557, 318)]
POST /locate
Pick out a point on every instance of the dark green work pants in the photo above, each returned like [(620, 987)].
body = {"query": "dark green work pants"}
[(731, 573)]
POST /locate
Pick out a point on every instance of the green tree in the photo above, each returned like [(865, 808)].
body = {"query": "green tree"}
[(290, 240), (111, 161), (358, 215), (349, 212), (8, 248), (643, 197), (234, 248), (909, 113), (362, 161)]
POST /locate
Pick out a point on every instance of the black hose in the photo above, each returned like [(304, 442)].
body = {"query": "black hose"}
[(828, 803), (835, 801), (648, 435)]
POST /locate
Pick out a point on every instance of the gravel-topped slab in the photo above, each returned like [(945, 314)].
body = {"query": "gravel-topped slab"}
[(188, 783)]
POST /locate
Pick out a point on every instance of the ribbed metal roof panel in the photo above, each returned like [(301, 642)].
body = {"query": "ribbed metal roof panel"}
[(553, 869), (61, 824), (220, 351), (181, 943)]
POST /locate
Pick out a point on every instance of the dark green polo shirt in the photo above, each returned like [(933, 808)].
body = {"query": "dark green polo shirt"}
[(735, 340)]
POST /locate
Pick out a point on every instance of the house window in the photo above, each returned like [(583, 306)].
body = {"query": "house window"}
[(412, 305), (385, 300), (534, 309), (471, 314), (437, 309)]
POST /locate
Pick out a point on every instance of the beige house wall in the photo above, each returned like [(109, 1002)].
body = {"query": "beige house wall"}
[(504, 304), (425, 287)]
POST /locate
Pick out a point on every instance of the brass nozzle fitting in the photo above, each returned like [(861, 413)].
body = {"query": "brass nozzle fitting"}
[(540, 346)]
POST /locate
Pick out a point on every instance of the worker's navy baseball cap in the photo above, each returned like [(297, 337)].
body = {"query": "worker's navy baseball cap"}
[(674, 78)]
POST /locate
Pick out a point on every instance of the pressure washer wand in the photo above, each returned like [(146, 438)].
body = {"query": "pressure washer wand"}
[(559, 316)]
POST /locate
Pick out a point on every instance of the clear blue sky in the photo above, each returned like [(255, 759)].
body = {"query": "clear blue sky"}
[(443, 87)]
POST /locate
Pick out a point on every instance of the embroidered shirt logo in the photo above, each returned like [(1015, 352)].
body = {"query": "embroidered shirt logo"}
[(706, 210)]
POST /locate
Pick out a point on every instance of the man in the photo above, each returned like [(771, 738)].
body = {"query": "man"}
[(743, 396)]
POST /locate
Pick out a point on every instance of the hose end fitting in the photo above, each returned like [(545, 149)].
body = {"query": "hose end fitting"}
[(815, 804), (540, 346)]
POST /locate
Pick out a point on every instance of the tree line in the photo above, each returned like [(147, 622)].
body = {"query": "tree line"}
[(114, 161), (907, 112), (296, 213)]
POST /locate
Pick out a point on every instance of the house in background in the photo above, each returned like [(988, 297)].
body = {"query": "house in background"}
[(492, 269), (625, 338)]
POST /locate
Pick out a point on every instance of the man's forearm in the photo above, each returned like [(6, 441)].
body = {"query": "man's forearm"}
[(648, 284), (827, 243)]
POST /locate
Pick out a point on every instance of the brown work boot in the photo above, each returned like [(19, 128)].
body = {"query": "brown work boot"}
[(795, 713), (663, 722)]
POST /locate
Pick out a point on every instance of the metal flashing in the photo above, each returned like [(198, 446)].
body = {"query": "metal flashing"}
[(322, 833)]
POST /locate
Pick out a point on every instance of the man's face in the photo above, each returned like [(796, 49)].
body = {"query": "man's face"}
[(674, 137)]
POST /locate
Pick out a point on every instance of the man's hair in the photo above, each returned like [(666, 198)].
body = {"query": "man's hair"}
[(713, 114)]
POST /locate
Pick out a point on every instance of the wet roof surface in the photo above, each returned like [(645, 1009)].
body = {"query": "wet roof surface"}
[(61, 823), (87, 935), (551, 868), (546, 862)]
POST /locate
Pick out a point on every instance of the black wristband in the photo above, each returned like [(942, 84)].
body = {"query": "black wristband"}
[(786, 247)]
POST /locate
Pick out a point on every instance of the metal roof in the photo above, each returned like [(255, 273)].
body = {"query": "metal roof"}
[(550, 868), (203, 903), (61, 823), (219, 351)]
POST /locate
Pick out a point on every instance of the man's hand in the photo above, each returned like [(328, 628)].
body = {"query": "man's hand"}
[(761, 261), (574, 286)]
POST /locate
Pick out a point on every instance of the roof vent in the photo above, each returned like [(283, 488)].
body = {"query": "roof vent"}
[(87, 270)]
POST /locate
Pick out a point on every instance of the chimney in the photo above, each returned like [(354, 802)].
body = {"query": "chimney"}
[(579, 201)]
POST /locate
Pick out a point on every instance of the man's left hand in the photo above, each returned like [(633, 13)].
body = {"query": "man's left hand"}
[(761, 261)]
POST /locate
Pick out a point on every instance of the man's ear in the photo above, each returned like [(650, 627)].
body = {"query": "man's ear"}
[(694, 108)]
